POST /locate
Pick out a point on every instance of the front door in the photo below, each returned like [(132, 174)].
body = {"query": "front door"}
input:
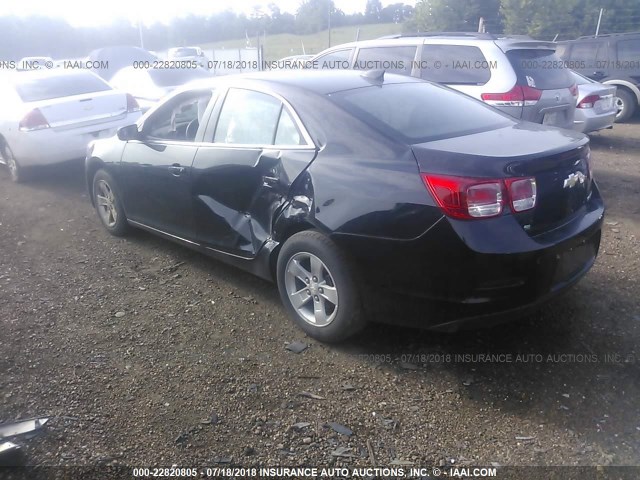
[(156, 169)]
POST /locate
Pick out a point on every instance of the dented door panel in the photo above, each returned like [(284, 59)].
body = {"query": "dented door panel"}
[(238, 191)]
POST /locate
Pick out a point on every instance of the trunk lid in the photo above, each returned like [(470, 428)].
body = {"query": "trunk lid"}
[(82, 110), (558, 159)]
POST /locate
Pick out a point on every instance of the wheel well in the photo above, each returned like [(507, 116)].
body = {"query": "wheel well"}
[(93, 165), (628, 90), (289, 231)]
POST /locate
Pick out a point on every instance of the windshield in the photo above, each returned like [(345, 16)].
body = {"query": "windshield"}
[(419, 112)]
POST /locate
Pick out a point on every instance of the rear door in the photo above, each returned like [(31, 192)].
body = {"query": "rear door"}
[(257, 148), (540, 71), (156, 170)]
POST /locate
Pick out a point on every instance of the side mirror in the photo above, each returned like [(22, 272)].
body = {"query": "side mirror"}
[(130, 132)]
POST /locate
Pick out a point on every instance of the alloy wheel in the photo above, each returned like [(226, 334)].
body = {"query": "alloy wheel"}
[(105, 200), (311, 289)]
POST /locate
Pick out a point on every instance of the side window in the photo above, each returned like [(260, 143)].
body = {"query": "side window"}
[(179, 118), (392, 59), (455, 65), (335, 60), (587, 53), (287, 133), (248, 118), (629, 50)]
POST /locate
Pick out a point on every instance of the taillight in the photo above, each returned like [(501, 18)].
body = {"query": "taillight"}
[(469, 198), (518, 96), (574, 90), (132, 104), (466, 198), (589, 101), (522, 193), (34, 120)]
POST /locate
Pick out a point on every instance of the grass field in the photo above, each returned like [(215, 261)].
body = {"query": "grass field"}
[(282, 45)]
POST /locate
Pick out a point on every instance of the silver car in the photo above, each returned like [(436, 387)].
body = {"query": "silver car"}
[(596, 107), (50, 116), (189, 54), (520, 76)]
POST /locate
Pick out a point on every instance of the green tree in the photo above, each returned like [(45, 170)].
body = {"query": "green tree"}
[(313, 15), (373, 11), (456, 15)]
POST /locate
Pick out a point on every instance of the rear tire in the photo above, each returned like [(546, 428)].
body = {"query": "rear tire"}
[(317, 285), (626, 104), (16, 171), (106, 199)]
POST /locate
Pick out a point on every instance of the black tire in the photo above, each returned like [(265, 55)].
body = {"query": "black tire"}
[(628, 102), (349, 315), (17, 172), (120, 226)]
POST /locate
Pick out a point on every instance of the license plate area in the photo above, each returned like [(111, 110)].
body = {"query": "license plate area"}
[(553, 118), (573, 260)]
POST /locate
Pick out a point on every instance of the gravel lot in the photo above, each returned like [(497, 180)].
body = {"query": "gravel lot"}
[(145, 354)]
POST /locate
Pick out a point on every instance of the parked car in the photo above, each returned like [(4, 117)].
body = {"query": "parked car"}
[(187, 54), (49, 116), (35, 63), (108, 61), (293, 62), (148, 85), (518, 75), (345, 185), (611, 59), (596, 107)]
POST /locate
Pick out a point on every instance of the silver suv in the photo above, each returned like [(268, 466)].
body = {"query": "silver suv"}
[(520, 76)]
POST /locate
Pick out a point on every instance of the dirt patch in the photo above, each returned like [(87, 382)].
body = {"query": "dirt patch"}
[(145, 353)]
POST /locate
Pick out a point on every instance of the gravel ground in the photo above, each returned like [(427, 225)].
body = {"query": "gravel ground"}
[(145, 354)]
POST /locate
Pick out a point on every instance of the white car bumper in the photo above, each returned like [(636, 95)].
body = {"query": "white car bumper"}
[(56, 145)]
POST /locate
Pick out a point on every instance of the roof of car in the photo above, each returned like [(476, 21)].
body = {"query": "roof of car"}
[(504, 42), (321, 82), (17, 76)]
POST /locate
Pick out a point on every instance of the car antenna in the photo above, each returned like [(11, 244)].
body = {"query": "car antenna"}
[(376, 76)]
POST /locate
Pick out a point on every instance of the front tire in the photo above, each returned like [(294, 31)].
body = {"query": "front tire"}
[(316, 280), (108, 204), (626, 105)]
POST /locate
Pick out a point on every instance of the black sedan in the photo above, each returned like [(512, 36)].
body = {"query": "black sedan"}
[(344, 185)]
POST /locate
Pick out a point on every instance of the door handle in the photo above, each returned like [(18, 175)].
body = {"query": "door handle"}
[(176, 169), (270, 181)]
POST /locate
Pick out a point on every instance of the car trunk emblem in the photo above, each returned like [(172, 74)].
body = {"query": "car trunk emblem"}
[(573, 179)]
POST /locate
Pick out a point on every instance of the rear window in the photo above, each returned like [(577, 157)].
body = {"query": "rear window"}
[(541, 69), (419, 112), (391, 59), (176, 76), (36, 89), (454, 65)]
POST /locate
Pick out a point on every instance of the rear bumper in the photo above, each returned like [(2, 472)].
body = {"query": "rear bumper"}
[(587, 120), (50, 146), (467, 272)]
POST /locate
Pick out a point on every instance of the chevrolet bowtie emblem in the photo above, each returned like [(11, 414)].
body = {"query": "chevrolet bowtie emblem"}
[(573, 179)]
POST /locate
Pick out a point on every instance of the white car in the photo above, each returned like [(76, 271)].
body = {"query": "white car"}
[(189, 54), (50, 116), (149, 85)]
